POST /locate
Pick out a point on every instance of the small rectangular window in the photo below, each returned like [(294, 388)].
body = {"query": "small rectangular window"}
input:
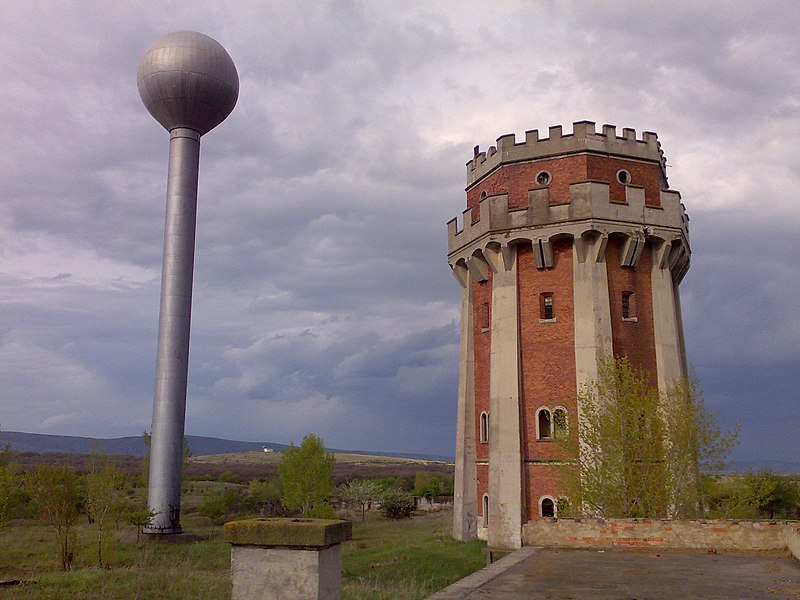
[(485, 317), (628, 306), (546, 307)]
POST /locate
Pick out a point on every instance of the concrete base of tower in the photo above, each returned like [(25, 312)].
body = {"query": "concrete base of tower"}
[(164, 530), (183, 537)]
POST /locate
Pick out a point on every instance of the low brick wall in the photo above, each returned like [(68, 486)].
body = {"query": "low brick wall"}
[(656, 533)]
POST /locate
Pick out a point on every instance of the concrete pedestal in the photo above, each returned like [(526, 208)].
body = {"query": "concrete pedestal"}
[(287, 559)]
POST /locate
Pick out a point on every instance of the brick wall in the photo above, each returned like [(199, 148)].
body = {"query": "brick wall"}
[(646, 175), (655, 533), (481, 298), (547, 350), (517, 179), (634, 339), (541, 479), (547, 360)]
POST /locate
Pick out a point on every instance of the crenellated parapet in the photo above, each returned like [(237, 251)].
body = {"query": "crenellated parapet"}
[(582, 139), (589, 212)]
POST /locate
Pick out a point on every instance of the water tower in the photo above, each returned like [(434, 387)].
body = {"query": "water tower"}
[(571, 250), (189, 84)]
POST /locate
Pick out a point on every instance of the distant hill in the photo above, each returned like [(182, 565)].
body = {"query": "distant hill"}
[(133, 445)]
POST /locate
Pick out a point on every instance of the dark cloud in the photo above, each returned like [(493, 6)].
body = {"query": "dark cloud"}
[(323, 301)]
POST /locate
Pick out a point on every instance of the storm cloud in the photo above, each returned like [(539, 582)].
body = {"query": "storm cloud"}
[(323, 300)]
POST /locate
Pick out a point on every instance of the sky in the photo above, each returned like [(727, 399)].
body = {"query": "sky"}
[(323, 301)]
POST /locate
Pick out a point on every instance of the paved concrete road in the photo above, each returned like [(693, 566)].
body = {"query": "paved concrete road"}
[(620, 575)]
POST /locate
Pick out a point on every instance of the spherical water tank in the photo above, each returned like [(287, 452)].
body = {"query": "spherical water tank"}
[(187, 79)]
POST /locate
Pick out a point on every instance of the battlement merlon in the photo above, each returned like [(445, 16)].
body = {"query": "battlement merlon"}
[(583, 138)]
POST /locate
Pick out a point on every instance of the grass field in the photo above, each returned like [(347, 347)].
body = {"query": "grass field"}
[(406, 559)]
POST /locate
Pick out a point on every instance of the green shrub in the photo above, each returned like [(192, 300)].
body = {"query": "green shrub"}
[(429, 486), (264, 498), (218, 505), (397, 504), (322, 511), (227, 477), (564, 508)]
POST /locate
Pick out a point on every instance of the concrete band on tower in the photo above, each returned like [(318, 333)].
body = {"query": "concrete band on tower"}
[(571, 249)]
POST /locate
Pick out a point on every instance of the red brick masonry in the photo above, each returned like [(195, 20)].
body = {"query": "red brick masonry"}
[(657, 533)]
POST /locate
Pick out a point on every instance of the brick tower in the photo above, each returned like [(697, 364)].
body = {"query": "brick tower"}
[(571, 250)]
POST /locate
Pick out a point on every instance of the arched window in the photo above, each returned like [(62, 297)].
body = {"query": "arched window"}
[(486, 510), (547, 508), (544, 424), (484, 426)]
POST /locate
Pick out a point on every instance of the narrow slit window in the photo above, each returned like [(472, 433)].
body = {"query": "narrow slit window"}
[(485, 317), (485, 510), (628, 306), (484, 427)]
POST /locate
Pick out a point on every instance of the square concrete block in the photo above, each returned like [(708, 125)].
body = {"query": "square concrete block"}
[(307, 533), (284, 574), (286, 559)]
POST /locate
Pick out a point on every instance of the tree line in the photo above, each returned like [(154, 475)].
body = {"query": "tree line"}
[(107, 495)]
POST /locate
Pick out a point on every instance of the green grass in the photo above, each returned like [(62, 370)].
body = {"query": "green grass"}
[(144, 570), (386, 559), (406, 559)]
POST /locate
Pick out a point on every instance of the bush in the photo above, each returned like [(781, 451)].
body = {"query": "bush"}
[(322, 511), (227, 477), (564, 508), (264, 498), (429, 486), (218, 505), (397, 504)]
